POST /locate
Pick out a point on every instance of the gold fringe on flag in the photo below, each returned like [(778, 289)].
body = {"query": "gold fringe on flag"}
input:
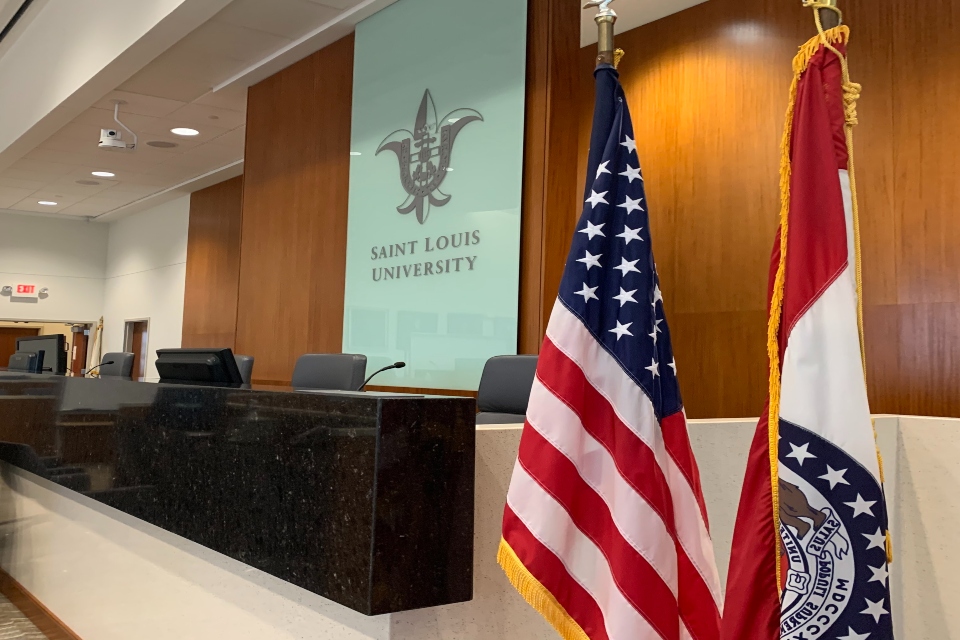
[(800, 64), (537, 595)]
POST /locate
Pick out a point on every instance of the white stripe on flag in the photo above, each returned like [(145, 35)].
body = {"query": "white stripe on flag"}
[(822, 387), (550, 523), (692, 532), (634, 408), (605, 374), (640, 525)]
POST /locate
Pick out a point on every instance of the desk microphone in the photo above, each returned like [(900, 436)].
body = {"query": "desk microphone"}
[(102, 364), (395, 365)]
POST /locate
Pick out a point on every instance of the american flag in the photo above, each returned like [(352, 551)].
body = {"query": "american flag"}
[(605, 530)]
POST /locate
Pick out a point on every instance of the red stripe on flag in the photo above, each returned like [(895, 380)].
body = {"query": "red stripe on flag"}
[(676, 439), (636, 579), (698, 610), (817, 231), (549, 570), (752, 603), (635, 460), (637, 465)]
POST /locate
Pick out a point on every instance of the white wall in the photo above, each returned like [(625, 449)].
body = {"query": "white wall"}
[(145, 273), (67, 256)]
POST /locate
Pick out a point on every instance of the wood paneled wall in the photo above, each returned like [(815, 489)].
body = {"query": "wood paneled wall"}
[(295, 194), (550, 180), (707, 90), (213, 266)]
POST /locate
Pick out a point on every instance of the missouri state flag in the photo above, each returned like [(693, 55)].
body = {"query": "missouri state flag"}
[(605, 530), (810, 552)]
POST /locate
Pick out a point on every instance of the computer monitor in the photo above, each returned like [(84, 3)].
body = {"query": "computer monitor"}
[(198, 366), (54, 349)]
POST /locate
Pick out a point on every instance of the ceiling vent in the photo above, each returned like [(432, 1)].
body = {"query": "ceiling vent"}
[(161, 144)]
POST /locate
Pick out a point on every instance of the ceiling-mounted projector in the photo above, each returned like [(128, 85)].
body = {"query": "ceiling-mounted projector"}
[(113, 138)]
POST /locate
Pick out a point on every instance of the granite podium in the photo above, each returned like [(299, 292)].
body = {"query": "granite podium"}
[(366, 499)]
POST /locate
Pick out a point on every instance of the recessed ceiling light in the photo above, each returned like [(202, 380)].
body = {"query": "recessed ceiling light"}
[(102, 174), (161, 144), (355, 153), (47, 203), (184, 131)]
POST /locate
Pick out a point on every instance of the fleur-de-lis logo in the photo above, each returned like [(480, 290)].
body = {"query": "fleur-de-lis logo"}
[(425, 160)]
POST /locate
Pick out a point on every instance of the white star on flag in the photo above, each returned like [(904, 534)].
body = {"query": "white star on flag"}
[(877, 540), (657, 296), (875, 609), (593, 230), (591, 260), (879, 574), (834, 477), (621, 330), (654, 368), (631, 205), (629, 234), (800, 453), (632, 174), (853, 635), (596, 198), (603, 168), (588, 293), (627, 266), (625, 296), (654, 335), (629, 143), (861, 506), (673, 365)]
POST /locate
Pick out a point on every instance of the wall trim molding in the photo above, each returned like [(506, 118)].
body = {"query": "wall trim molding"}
[(35, 611)]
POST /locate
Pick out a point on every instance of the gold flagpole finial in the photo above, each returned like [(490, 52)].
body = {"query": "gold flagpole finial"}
[(605, 19)]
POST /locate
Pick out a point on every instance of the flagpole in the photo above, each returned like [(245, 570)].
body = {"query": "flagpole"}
[(828, 18), (605, 20), (827, 12)]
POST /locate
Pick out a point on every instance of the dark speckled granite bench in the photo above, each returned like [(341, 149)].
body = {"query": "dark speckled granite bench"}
[(363, 498)]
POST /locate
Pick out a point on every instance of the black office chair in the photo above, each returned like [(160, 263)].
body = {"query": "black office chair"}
[(122, 366), (245, 365), (24, 362), (505, 389), (330, 371)]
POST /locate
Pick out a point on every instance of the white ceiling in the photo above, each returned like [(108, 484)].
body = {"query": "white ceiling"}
[(246, 41), (172, 91), (8, 9)]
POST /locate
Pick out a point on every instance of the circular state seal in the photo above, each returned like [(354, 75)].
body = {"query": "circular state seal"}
[(833, 545), (819, 568)]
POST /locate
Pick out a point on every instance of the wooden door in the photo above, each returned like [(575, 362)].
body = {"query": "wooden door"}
[(8, 341), (78, 358), (137, 332)]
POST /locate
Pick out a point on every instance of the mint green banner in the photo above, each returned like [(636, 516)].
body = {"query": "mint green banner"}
[(433, 237)]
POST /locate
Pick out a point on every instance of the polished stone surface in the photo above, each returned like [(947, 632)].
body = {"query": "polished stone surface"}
[(362, 498)]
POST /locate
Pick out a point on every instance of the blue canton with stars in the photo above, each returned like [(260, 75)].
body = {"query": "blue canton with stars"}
[(833, 524), (610, 281)]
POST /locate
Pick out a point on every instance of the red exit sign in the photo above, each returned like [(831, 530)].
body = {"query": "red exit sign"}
[(26, 289)]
